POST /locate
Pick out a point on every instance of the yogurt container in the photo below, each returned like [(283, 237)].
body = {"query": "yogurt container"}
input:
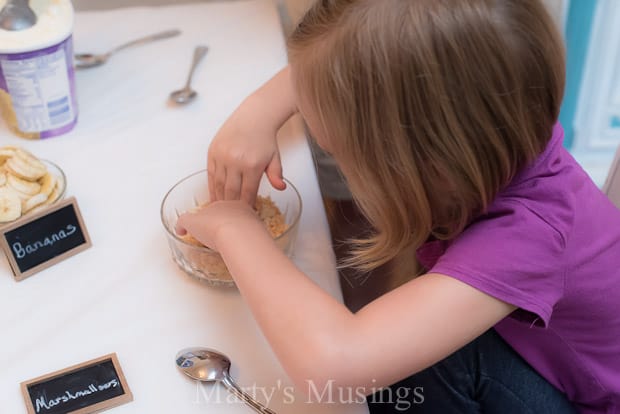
[(37, 82)]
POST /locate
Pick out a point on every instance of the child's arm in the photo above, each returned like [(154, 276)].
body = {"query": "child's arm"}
[(318, 339), (245, 146)]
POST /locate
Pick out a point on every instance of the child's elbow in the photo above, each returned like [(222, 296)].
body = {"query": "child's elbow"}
[(325, 368)]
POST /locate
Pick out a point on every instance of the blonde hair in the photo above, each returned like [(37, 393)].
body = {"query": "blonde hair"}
[(430, 107)]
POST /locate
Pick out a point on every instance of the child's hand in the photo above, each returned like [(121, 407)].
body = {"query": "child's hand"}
[(242, 150), (246, 145), (206, 224)]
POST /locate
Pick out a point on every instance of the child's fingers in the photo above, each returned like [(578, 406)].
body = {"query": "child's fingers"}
[(220, 180), (232, 187), (249, 186), (211, 178), (179, 227), (274, 172)]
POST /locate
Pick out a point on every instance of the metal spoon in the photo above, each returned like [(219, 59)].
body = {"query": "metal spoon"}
[(208, 365), (89, 60), (186, 95), (17, 15)]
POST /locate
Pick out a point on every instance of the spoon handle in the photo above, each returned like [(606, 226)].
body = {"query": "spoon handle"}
[(199, 53), (156, 36), (234, 388)]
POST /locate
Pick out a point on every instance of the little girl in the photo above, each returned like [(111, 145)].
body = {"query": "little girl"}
[(442, 115)]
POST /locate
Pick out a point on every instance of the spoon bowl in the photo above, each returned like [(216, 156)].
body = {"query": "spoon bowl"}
[(209, 365), (89, 60), (203, 364), (17, 15), (183, 96), (187, 94)]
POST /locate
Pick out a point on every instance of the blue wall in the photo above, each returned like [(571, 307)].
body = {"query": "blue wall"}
[(577, 32)]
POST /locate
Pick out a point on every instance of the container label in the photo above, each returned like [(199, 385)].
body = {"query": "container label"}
[(39, 89)]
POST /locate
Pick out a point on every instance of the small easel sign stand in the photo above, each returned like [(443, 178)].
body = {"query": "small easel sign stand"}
[(40, 240), (89, 387)]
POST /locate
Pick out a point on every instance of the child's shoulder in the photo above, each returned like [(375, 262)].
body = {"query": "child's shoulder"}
[(554, 188), (555, 191)]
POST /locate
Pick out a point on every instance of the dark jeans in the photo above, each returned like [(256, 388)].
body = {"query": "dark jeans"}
[(485, 376)]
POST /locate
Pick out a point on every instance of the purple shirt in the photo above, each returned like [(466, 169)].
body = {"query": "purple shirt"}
[(550, 245)]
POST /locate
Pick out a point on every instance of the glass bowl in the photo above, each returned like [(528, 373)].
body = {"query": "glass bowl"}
[(61, 182), (206, 264), (57, 193)]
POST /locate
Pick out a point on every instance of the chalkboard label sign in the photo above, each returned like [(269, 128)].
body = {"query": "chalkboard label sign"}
[(89, 387), (36, 242)]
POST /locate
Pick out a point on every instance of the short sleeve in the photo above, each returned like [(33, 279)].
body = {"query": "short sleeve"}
[(512, 254)]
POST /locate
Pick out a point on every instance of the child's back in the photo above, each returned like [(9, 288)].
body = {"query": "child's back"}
[(550, 217)]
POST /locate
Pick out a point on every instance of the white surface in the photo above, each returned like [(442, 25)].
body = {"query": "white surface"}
[(295, 7), (125, 294)]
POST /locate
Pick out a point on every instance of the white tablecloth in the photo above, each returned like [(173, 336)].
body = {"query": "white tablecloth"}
[(125, 294)]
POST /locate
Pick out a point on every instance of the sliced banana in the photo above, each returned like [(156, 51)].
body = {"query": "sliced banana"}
[(54, 194), (19, 194), (6, 153), (23, 186), (10, 206), (26, 166), (51, 198), (47, 184), (34, 201)]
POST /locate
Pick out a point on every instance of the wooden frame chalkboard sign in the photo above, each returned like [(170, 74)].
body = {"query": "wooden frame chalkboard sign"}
[(38, 241), (89, 387)]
